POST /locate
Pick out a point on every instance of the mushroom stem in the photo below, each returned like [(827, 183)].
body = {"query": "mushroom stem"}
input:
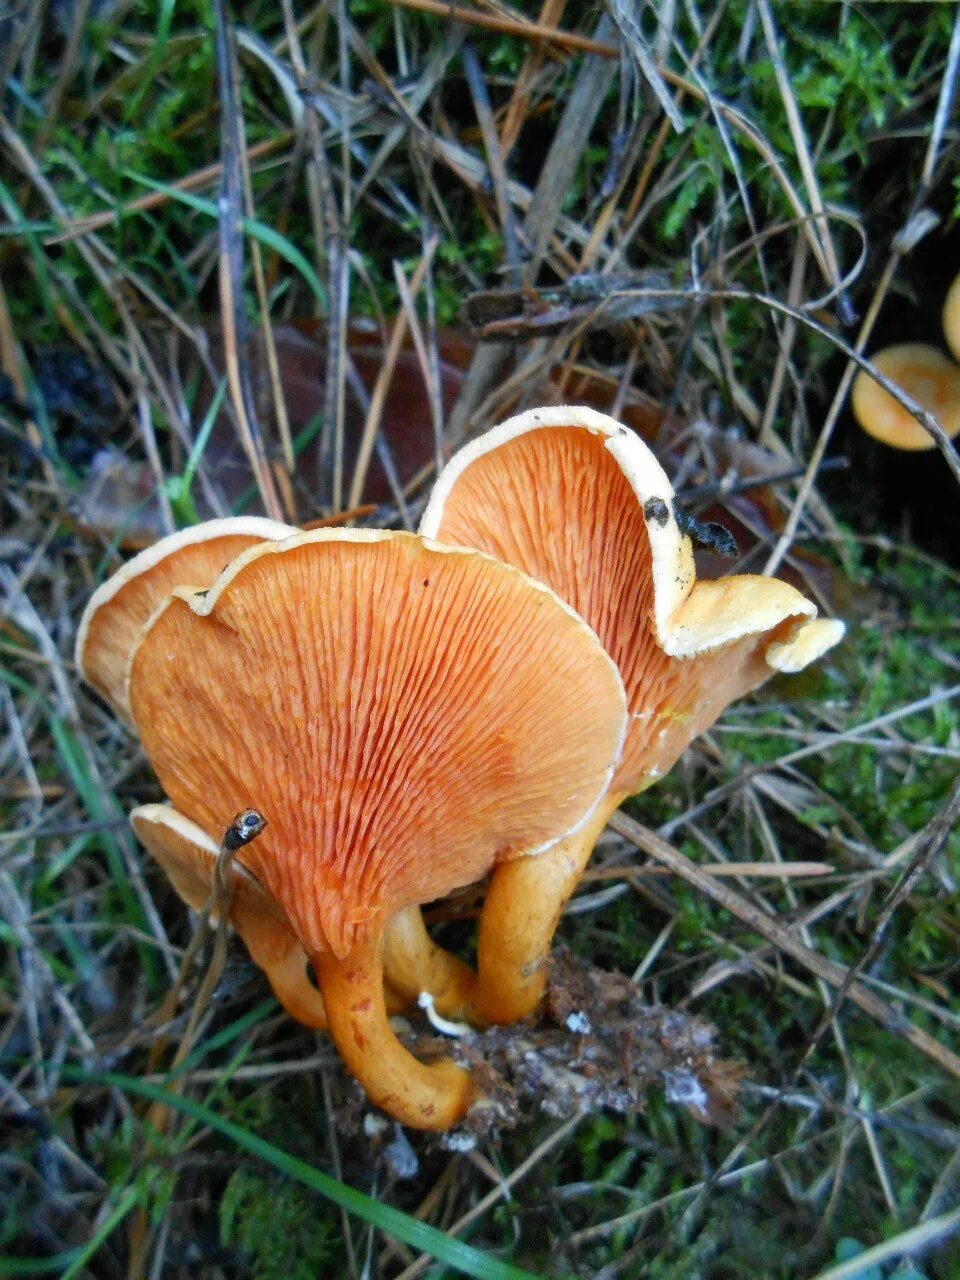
[(434, 1096), (294, 991), (286, 972), (414, 963), (519, 918)]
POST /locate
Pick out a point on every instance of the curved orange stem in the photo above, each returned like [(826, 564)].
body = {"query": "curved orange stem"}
[(520, 915), (413, 963), (286, 971), (287, 975), (434, 1096)]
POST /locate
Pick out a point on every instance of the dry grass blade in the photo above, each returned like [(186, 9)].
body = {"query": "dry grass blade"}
[(278, 396), (231, 267), (801, 146), (907, 1244), (567, 40), (326, 215), (382, 385), (244, 828), (929, 845), (785, 940), (624, 16), (752, 870), (498, 173), (500, 1192)]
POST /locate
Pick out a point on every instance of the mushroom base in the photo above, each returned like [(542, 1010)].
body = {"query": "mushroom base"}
[(434, 1096), (520, 915)]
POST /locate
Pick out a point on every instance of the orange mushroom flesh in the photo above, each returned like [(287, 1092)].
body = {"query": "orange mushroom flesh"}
[(188, 856), (116, 611), (109, 630), (413, 964), (404, 715), (928, 377), (580, 503)]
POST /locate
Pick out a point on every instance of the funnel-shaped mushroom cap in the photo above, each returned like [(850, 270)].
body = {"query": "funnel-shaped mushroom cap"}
[(117, 610), (951, 318), (404, 715), (927, 376), (579, 502), (189, 856)]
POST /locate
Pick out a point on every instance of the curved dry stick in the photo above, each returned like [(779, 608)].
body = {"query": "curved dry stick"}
[(188, 856), (424, 1096)]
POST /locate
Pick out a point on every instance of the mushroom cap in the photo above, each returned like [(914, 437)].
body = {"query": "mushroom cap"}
[(951, 318), (579, 502), (188, 855), (404, 715), (811, 642), (118, 609), (927, 376)]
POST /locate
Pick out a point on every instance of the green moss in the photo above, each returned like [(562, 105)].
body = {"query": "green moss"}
[(277, 1226)]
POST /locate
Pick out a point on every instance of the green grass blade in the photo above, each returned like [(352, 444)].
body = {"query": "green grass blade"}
[(37, 1266), (72, 1262), (418, 1235), (253, 227), (110, 1223), (226, 1036), (203, 435), (154, 61)]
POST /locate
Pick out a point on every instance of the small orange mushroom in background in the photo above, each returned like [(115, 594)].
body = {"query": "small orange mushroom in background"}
[(927, 376), (951, 318), (580, 503), (405, 715)]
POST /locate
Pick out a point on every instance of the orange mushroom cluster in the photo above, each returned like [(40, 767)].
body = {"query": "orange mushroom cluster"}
[(927, 375), (382, 701), (414, 712)]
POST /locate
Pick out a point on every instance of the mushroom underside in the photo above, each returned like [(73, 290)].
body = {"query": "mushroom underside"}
[(345, 687)]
